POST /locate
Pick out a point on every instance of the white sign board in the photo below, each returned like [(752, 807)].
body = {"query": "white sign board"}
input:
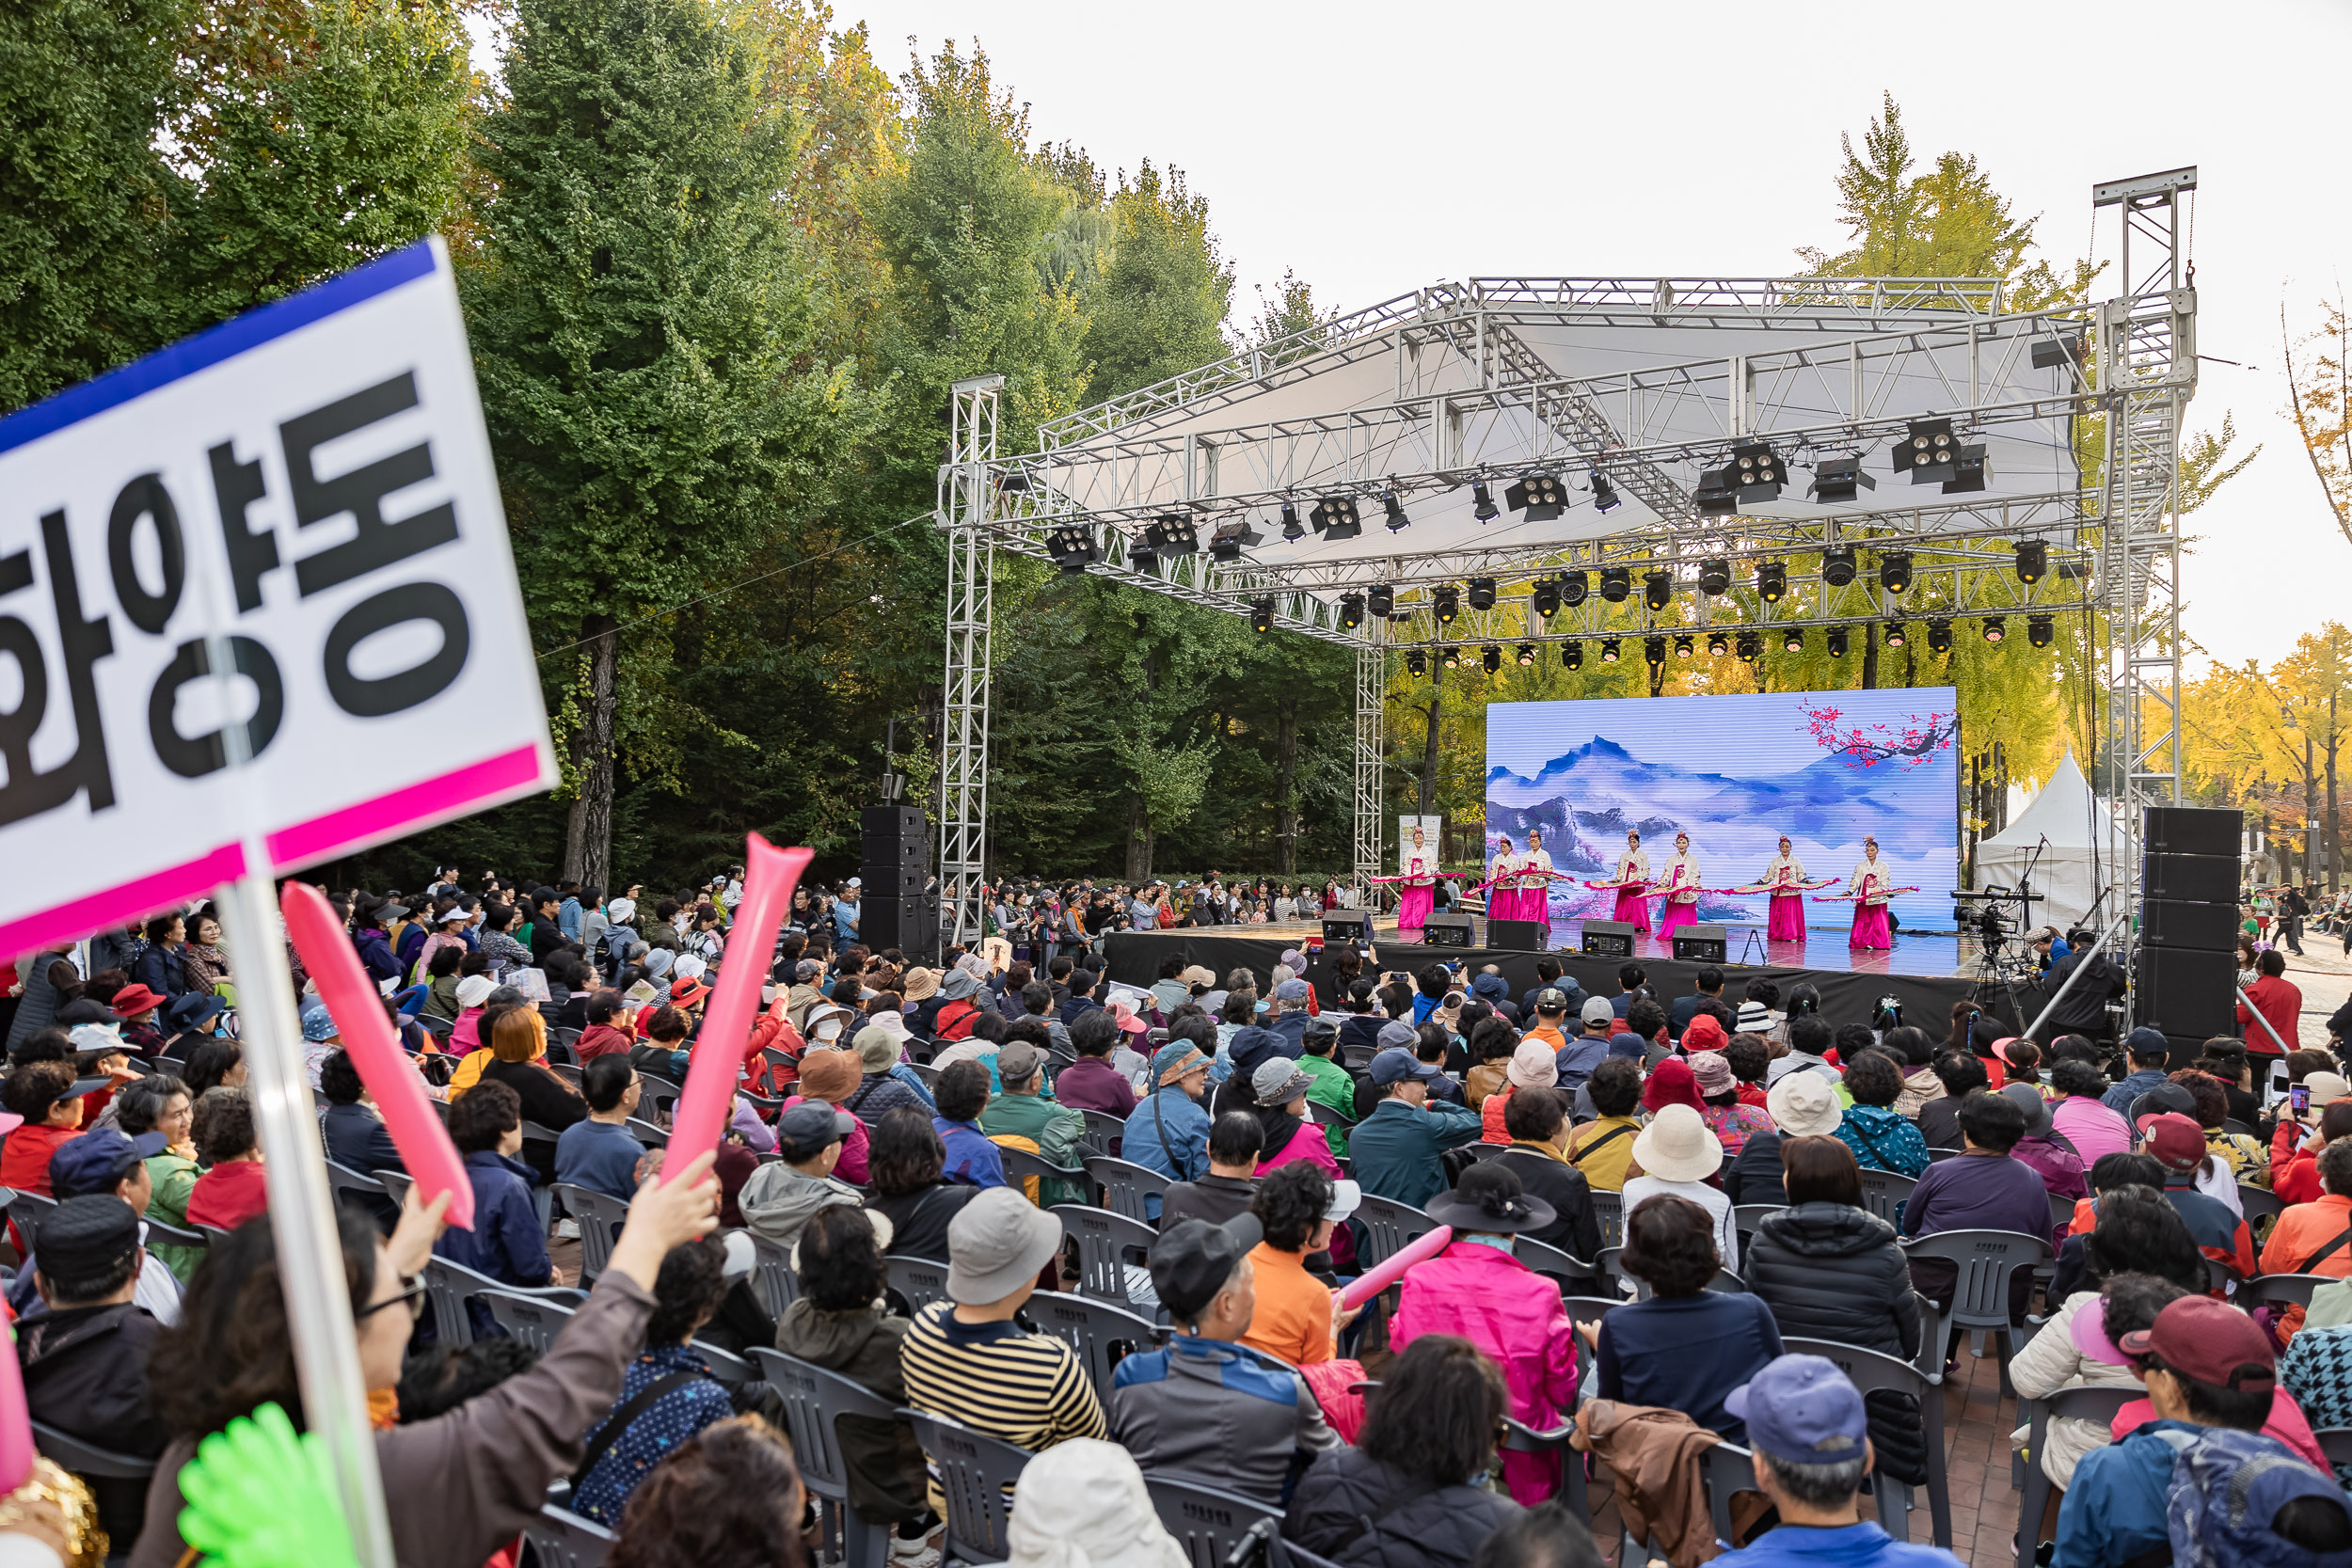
[(277, 541), (1432, 830)]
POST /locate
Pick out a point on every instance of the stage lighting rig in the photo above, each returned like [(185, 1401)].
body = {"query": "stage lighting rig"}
[(1896, 635), (1970, 472), (1653, 651), (1939, 634), (1544, 598), (1757, 471), (1617, 584), (1715, 576), (1336, 518), (1446, 600), (1574, 586), (1482, 594), (1604, 493), (1895, 570), (1609, 652), (1233, 538), (1657, 588), (1416, 664), (1381, 600), (1526, 653), (1837, 565), (1490, 656), (1262, 615), (1683, 648), (1841, 479), (1715, 496), (1393, 512), (1926, 451), (1771, 581), (1073, 547), (2039, 630), (2064, 349), (1172, 533), (1572, 655), (1482, 501), (1351, 611), (1293, 529), (1717, 644), (1993, 630), (1142, 558), (1542, 496), (1454, 659), (1793, 642), (2033, 561), (1836, 640), (1750, 647)]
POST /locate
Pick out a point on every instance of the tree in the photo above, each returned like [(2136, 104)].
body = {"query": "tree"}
[(1948, 222), (1161, 303), (2319, 400), (639, 319)]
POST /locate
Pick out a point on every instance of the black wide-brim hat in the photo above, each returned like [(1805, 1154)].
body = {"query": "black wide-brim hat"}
[(1496, 1215)]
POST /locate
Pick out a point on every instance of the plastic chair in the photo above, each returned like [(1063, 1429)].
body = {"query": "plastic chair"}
[(1608, 1209), (920, 1280), (773, 1276), (2336, 1443), (2090, 1404), (69, 1453), (2062, 1212), (1020, 1165), (1984, 1260), (1104, 1238), (1126, 1184), (569, 1071), (1883, 1191), (534, 1319), (1870, 1370), (1103, 1133), (2281, 1288), (1519, 1437), (1387, 1228), (1482, 1153), (157, 1230), (1552, 1262), (1095, 1329), (927, 1072), (1746, 1217), (394, 1183), (2258, 1203), (1936, 1155), (1206, 1519), (651, 1135), (449, 1286), (725, 1366), (976, 1475), (1286, 1555), (28, 1210), (600, 1216), (342, 1179), (814, 1399), (1323, 1115), (562, 1539)]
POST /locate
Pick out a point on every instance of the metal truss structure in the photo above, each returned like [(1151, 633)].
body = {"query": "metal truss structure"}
[(1369, 453)]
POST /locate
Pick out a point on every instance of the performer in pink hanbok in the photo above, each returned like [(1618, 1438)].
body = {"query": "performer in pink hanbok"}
[(1869, 886), (1678, 880), (1502, 882), (1634, 870), (1786, 881), (1416, 887), (1535, 879)]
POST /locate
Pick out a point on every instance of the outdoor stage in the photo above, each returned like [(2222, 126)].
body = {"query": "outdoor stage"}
[(1924, 973)]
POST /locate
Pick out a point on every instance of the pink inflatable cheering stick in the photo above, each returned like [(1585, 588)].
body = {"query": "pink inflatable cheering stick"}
[(16, 1422), (769, 875), (1373, 1281), (384, 1067)]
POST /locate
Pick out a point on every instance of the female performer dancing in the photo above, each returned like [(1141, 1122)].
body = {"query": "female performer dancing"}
[(1502, 882), (1786, 881), (1416, 888), (1681, 882), (1868, 885), (1536, 878), (1634, 871)]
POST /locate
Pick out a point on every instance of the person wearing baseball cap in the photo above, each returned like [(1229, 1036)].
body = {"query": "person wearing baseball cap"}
[(1397, 1152), (1022, 1111), (2149, 1051), (1289, 1014), (782, 1194), (966, 1357), (1590, 1048), (107, 1162), (1205, 1403), (2176, 1142), (1811, 1451), (1548, 1016)]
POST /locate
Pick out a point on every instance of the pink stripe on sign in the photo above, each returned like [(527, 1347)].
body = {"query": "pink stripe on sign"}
[(119, 906), (389, 815)]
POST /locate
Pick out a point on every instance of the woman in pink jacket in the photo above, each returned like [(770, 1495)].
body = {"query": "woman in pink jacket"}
[(1477, 1290), (1281, 1090)]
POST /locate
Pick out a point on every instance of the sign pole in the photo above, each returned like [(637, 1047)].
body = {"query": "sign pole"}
[(302, 1210)]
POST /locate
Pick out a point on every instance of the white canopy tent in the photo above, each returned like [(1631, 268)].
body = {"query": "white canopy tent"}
[(2071, 840)]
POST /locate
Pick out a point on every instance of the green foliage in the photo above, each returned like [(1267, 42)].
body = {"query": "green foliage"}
[(1948, 222), (1161, 303)]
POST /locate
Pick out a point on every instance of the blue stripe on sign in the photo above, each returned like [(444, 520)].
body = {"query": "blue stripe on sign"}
[(208, 348)]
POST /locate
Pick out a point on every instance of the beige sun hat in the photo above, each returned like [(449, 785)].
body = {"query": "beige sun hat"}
[(1678, 1146), (1803, 1105)]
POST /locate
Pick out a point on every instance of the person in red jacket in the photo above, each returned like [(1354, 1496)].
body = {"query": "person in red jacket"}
[(42, 1094), (2295, 1148), (2278, 1001)]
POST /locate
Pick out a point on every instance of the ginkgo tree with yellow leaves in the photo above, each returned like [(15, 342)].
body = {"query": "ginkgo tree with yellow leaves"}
[(2272, 742)]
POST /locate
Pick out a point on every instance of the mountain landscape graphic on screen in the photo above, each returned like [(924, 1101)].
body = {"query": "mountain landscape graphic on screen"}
[(1826, 768)]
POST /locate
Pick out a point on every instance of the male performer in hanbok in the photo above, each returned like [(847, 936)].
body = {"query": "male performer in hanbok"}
[(1678, 880), (1869, 884), (1633, 869)]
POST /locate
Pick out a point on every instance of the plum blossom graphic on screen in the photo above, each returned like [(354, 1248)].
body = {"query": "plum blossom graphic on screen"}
[(1911, 741)]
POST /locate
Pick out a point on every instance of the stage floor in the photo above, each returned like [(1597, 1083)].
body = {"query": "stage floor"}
[(1931, 955)]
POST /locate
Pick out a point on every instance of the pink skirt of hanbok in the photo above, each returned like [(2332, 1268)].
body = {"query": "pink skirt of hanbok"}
[(1871, 930), (1673, 916), (1633, 905), (1786, 923), (1412, 911), (1535, 905)]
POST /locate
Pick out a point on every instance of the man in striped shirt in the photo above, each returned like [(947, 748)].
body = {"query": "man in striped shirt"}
[(966, 1359)]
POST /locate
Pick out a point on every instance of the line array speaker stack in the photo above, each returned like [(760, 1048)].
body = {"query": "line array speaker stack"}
[(894, 910), (2188, 920)]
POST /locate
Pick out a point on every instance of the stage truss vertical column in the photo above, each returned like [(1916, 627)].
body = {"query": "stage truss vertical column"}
[(1372, 682), (2147, 364), (965, 491)]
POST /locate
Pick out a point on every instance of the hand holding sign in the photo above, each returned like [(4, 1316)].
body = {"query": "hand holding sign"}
[(770, 875), (384, 1067)]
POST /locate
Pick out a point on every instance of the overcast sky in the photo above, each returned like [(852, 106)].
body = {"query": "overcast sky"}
[(1377, 147)]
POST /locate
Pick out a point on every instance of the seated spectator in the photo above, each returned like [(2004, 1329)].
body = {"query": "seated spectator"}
[(1915, 1055), (42, 1093), (660, 1047), (234, 1187), (506, 1241), (1810, 1041), (965, 1358), (1206, 1403), (1985, 1189), (1296, 1316), (2081, 1115), (962, 1096), (2241, 1155), (706, 1503), (1800, 1105), (1533, 1064), (159, 1103), (599, 1152), (1168, 1132), (1396, 1151), (879, 1089), (1229, 1189), (105, 1162), (1677, 1155), (1476, 1290), (782, 1194), (1828, 1268), (2061, 1168), (1332, 1085), (1279, 1087), (667, 1393), (2178, 1145), (2148, 1052), (1732, 1119), (1022, 1112), (1812, 1452), (1602, 1149), (2212, 1379), (1687, 1347), (839, 1324), (1088, 1505), (911, 1189), (1538, 1131), (1492, 1045), (233, 1351), (2295, 1158), (1961, 1073), (1881, 1138), (833, 1076), (1587, 1050), (84, 1358), (604, 1035), (1091, 1083), (518, 1051), (1407, 1493), (2316, 1237)]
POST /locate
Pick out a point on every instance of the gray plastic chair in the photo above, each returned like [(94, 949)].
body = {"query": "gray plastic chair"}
[(2281, 1288), (814, 1399), (1482, 1153), (976, 1477), (1387, 1228), (28, 1210), (344, 1181), (1984, 1259), (600, 1216), (2090, 1404), (1206, 1519), (1608, 1209), (2336, 1443), (449, 1285), (652, 1134), (920, 1280), (562, 1539), (1870, 1370), (534, 1319), (1095, 1329), (773, 1276), (2258, 1203), (1883, 1191), (1103, 1134), (725, 1364), (1020, 1165), (69, 1453), (1126, 1184), (1522, 1438), (1572, 1272), (396, 1184), (1746, 1217), (1104, 1239)]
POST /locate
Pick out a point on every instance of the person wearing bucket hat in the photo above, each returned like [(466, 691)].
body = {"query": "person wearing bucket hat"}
[(1535, 1065), (1281, 1086), (967, 1359), (185, 1020), (1090, 1509), (2062, 1169), (958, 1006), (1800, 1105), (1730, 1119), (1676, 1154), (1168, 1133)]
